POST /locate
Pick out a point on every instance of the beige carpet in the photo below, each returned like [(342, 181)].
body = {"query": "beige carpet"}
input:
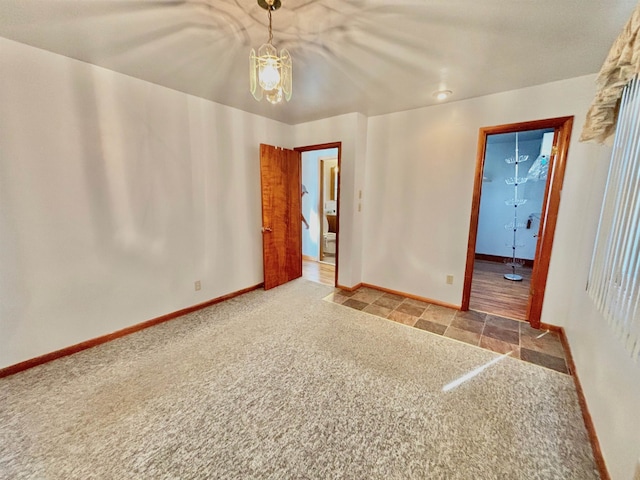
[(281, 384)]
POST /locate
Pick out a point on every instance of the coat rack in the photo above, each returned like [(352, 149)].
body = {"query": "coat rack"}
[(514, 262)]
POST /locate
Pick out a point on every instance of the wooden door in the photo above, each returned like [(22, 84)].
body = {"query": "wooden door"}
[(281, 215)]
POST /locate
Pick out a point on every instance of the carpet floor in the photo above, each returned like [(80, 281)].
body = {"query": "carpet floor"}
[(281, 384)]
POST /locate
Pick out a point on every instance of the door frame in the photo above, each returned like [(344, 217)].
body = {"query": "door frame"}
[(550, 206), (321, 209), (338, 146)]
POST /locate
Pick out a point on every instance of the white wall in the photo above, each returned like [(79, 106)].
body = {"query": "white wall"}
[(419, 183), (116, 195), (351, 130), (611, 381), (493, 238)]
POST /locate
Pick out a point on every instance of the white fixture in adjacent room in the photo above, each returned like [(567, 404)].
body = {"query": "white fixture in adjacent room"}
[(540, 167), (270, 73)]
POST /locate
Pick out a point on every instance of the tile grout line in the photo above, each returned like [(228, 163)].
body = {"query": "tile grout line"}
[(478, 345), (453, 339)]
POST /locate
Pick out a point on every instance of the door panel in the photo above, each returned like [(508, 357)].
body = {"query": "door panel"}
[(281, 215)]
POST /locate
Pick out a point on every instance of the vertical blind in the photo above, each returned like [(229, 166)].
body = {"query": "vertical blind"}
[(614, 279)]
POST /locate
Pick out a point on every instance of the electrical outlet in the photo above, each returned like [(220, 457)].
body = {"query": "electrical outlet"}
[(359, 207), (449, 279), (359, 193), (198, 285)]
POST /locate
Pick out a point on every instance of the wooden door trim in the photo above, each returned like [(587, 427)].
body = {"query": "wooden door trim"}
[(550, 207), (323, 146), (549, 219), (473, 223), (320, 209)]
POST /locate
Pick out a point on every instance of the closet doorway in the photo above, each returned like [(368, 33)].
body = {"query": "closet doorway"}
[(320, 211), (519, 174)]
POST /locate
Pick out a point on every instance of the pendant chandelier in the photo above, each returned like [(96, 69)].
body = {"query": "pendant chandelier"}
[(270, 73)]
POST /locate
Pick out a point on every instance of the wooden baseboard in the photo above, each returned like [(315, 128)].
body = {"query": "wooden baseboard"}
[(349, 289), (409, 295), (553, 328), (48, 357), (588, 421), (397, 292), (593, 437), (309, 258), (499, 259)]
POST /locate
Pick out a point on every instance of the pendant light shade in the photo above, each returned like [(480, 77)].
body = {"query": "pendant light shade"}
[(270, 72)]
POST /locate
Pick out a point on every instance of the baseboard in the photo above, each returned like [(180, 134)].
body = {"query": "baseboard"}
[(309, 258), (27, 364), (415, 297), (499, 259), (349, 289), (48, 357), (553, 328), (588, 421)]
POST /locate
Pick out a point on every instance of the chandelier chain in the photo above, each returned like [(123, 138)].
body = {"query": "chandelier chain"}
[(270, 31)]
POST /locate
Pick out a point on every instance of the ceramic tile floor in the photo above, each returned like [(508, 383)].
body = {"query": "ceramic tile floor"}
[(483, 330)]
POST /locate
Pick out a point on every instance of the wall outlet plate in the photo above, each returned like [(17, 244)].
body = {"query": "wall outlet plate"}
[(197, 285), (449, 279)]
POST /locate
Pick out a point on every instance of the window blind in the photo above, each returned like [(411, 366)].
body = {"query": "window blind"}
[(614, 279)]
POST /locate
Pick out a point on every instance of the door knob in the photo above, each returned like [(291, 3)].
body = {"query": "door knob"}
[(266, 229)]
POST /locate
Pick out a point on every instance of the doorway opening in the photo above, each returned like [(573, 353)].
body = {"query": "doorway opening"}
[(320, 211), (519, 174), (328, 208)]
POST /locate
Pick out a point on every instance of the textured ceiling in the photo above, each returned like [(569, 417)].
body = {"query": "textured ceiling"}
[(368, 56)]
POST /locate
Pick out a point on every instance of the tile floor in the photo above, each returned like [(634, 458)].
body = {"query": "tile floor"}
[(483, 330)]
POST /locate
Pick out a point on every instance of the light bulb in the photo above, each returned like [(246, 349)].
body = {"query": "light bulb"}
[(269, 75)]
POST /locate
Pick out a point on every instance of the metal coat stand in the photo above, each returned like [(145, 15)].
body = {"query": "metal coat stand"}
[(514, 262)]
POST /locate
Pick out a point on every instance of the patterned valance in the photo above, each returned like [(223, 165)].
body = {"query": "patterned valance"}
[(621, 65)]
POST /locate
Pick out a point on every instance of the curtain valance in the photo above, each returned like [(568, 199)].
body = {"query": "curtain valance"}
[(621, 65)]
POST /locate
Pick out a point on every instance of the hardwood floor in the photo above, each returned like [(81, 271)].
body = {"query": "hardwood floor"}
[(492, 293), (319, 272), (328, 258)]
